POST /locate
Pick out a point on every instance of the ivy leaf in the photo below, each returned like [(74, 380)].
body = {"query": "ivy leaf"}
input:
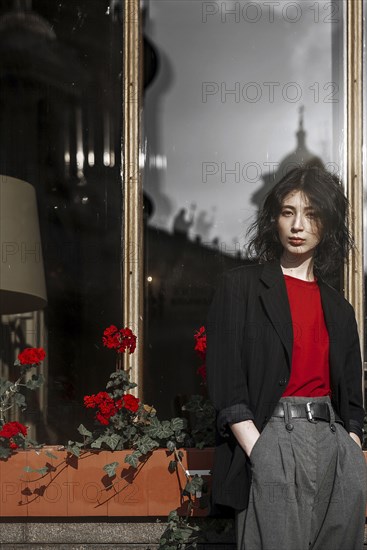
[(19, 400), (161, 430), (5, 452), (97, 443), (171, 446), (180, 437), (172, 516), (114, 374), (146, 444), (34, 443), (72, 448), (133, 459), (112, 441), (42, 471), (83, 431), (4, 385), (194, 486), (35, 382), (178, 424), (50, 455), (110, 469)]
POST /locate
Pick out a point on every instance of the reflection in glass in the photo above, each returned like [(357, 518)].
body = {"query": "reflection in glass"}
[(242, 93), (60, 107)]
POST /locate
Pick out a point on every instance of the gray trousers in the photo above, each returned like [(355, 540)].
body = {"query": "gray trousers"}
[(309, 487)]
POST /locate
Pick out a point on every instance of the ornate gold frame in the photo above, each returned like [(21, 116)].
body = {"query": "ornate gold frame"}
[(354, 271), (132, 238)]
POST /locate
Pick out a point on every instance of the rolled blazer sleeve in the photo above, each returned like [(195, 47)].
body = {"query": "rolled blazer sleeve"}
[(353, 376), (226, 377)]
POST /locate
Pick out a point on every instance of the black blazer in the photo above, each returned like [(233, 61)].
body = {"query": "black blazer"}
[(249, 351)]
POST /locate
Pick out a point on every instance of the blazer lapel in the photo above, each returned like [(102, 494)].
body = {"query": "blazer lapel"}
[(275, 300), (332, 315)]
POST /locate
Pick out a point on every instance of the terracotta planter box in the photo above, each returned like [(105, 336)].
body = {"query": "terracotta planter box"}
[(80, 487)]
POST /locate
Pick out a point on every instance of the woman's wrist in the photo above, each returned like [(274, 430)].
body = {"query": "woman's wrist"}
[(355, 438), (246, 434)]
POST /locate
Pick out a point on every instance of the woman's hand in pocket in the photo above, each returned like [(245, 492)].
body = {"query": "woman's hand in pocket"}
[(246, 434), (355, 438)]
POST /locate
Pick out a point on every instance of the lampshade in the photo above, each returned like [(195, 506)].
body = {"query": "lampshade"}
[(22, 278)]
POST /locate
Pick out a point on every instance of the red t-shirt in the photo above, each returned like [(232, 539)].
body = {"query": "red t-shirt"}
[(310, 373)]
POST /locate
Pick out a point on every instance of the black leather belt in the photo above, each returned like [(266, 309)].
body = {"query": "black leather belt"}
[(311, 410)]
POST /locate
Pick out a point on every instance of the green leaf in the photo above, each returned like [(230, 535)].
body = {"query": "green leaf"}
[(5, 452), (34, 443), (42, 471), (172, 516), (83, 431), (112, 441), (72, 448), (4, 385), (146, 444), (97, 443), (171, 446), (35, 382), (133, 459), (50, 455), (158, 429), (19, 400), (196, 484), (19, 439), (110, 469), (178, 424)]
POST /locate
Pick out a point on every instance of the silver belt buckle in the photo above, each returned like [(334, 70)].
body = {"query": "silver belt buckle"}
[(310, 417)]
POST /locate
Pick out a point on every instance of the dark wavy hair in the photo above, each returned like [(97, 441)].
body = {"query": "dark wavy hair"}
[(325, 194)]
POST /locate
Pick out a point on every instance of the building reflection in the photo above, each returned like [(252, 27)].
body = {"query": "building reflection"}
[(301, 156), (182, 274)]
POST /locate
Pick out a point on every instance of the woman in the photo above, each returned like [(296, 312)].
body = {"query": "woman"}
[(284, 374)]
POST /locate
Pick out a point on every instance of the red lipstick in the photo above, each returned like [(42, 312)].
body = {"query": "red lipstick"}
[(296, 240)]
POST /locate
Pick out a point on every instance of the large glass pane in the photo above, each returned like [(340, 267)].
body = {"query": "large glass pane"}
[(240, 92), (60, 111)]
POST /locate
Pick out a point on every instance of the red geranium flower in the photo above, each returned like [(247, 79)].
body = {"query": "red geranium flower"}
[(13, 428), (105, 404), (131, 403), (31, 356), (102, 419), (109, 331), (119, 339), (200, 348), (200, 343)]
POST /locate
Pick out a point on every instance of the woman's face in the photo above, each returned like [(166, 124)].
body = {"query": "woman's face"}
[(297, 226)]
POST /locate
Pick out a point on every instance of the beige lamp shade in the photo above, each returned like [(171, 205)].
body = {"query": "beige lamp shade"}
[(22, 278)]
